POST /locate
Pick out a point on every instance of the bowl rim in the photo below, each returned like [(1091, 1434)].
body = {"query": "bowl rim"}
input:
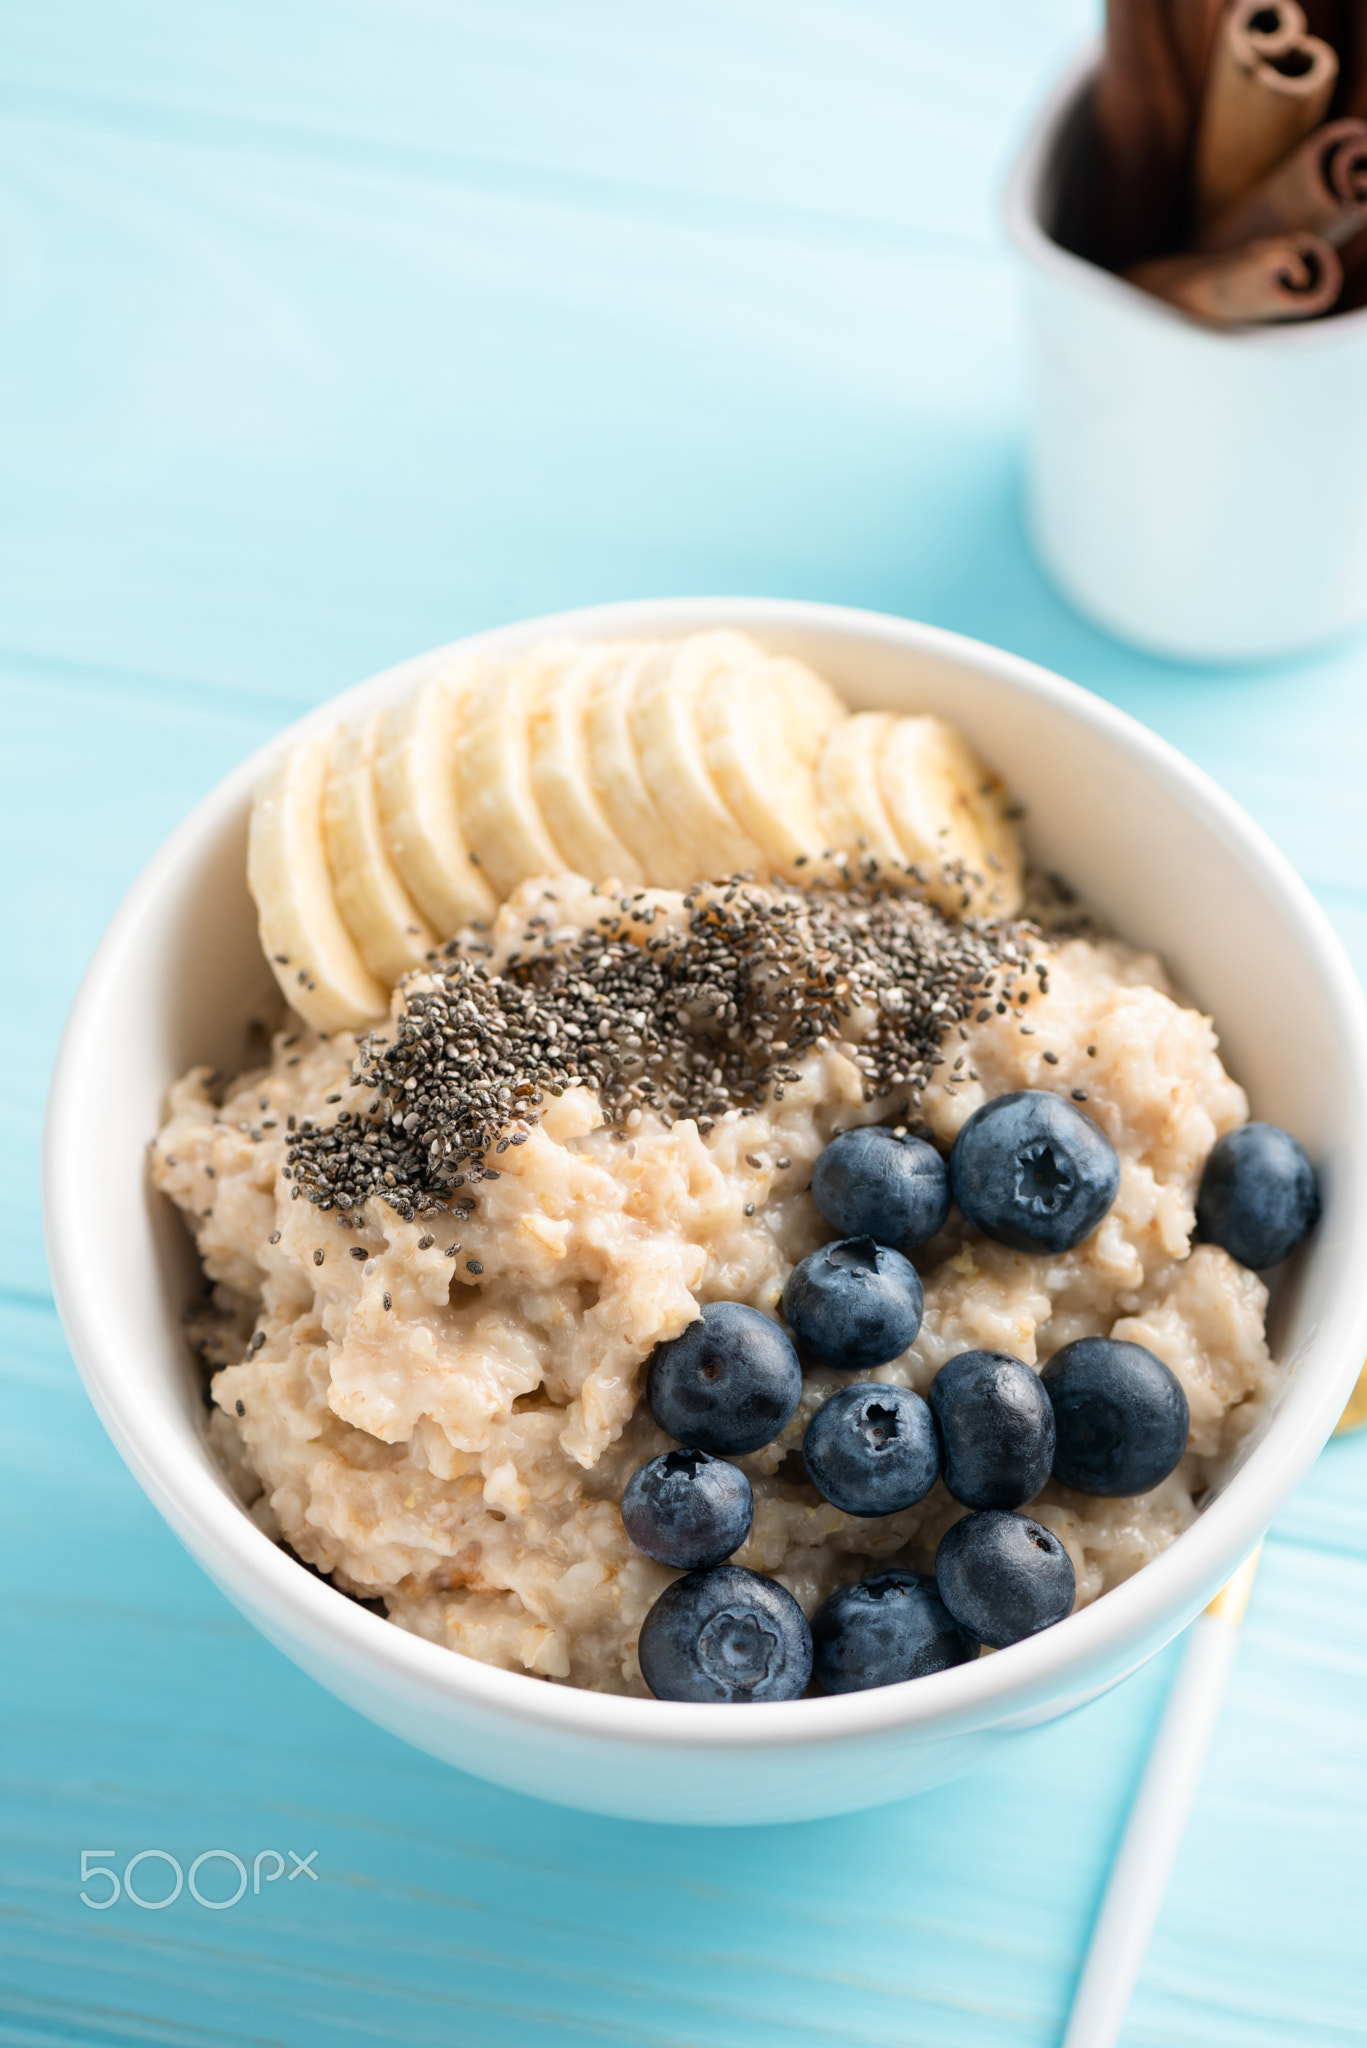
[(1022, 207), (1144, 1611)]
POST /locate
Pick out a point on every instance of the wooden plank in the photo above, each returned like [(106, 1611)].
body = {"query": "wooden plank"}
[(868, 115)]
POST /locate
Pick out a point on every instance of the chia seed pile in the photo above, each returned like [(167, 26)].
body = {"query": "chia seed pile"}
[(692, 1021)]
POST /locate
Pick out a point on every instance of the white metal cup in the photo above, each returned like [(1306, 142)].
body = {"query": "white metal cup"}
[(1201, 493)]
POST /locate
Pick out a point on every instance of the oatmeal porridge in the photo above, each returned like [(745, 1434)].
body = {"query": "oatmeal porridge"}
[(443, 1246)]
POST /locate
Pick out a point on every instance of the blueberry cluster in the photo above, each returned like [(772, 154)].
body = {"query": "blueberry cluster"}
[(1103, 1417), (1031, 1171)]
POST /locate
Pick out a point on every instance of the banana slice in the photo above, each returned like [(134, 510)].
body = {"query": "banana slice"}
[(381, 916), (313, 955), (615, 772), (850, 807), (415, 790), (763, 735), (949, 813), (498, 808), (562, 781), (662, 713), (813, 707)]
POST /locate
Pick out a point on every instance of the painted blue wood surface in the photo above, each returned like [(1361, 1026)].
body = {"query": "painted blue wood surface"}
[(329, 331)]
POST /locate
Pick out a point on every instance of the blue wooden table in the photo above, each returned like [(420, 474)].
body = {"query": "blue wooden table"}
[(330, 329)]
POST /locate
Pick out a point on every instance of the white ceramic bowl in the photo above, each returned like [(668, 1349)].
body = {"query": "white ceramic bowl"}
[(1201, 493), (1155, 845)]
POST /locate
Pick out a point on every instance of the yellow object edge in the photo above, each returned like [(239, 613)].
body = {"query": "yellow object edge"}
[(1355, 1414), (1231, 1600)]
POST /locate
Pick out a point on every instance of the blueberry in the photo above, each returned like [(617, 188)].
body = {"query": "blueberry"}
[(1003, 1577), (687, 1509), (854, 1304), (727, 1634), (869, 1184), (1120, 1416), (728, 1384), (1032, 1172), (871, 1449), (996, 1429), (1259, 1196), (885, 1629)]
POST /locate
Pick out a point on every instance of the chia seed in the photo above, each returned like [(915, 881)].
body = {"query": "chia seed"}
[(704, 1021)]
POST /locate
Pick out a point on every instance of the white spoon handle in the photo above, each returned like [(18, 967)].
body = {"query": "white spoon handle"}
[(1158, 1818)]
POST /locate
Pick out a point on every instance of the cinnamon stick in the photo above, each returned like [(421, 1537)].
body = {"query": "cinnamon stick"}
[(1270, 83), (1283, 277), (1195, 23), (1194, 26), (1143, 112), (1321, 185)]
